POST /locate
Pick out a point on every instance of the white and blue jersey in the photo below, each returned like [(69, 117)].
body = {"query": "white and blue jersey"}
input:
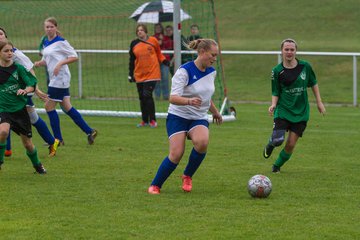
[(55, 51), (20, 58), (189, 82)]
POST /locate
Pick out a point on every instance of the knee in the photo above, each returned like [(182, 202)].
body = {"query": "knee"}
[(3, 135), (278, 137), (176, 155), (29, 146), (34, 117), (201, 145)]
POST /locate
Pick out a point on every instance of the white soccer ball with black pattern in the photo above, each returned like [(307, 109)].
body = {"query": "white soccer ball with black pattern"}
[(259, 186)]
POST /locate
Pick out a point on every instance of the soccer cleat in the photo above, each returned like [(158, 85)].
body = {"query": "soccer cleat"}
[(40, 169), (53, 148), (154, 189), (142, 124), (8, 153), (92, 136), (186, 183), (275, 169), (268, 150), (153, 124)]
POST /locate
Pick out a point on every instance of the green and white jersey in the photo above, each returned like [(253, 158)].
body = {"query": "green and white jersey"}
[(12, 79), (290, 85)]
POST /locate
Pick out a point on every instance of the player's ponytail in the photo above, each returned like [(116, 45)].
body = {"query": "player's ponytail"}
[(204, 44)]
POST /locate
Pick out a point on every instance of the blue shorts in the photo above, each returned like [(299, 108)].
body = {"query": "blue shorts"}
[(58, 94), (176, 124), (29, 102)]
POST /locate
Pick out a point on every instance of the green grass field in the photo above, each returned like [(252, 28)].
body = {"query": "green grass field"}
[(99, 191)]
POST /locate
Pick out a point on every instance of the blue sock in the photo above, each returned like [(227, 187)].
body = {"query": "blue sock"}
[(44, 132), (195, 160), (55, 124), (164, 171), (77, 118), (8, 142)]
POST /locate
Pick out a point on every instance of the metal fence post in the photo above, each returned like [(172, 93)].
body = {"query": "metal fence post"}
[(355, 80), (79, 75)]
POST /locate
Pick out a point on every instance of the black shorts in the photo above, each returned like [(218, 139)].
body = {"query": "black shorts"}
[(283, 124), (19, 122)]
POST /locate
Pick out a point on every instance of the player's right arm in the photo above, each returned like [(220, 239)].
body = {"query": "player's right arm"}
[(274, 101), (275, 92)]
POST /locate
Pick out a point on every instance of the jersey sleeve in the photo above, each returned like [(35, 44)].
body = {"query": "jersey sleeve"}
[(68, 50), (179, 81), (27, 78), (132, 59), (275, 88), (312, 78), (160, 56), (22, 59)]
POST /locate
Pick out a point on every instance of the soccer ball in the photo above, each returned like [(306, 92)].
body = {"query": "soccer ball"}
[(259, 186)]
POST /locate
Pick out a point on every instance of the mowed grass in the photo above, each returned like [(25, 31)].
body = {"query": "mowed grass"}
[(99, 191)]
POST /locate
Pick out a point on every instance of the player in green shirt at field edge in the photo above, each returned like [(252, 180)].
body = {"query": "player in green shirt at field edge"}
[(15, 83), (289, 103)]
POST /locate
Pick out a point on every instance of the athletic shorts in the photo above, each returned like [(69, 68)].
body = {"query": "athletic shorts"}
[(176, 124), (19, 122), (283, 124), (58, 94)]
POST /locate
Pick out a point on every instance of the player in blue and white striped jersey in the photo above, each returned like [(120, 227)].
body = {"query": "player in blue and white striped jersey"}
[(190, 101), (57, 54)]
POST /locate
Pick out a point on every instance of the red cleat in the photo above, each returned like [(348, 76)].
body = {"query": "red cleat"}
[(153, 124), (186, 183), (154, 189), (8, 153)]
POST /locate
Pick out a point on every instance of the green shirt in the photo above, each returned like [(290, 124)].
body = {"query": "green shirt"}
[(290, 85), (12, 79)]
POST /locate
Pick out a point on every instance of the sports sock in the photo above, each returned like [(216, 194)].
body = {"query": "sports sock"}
[(78, 119), (2, 152), (44, 132), (282, 158), (8, 141), (195, 160), (164, 171), (34, 157), (55, 124)]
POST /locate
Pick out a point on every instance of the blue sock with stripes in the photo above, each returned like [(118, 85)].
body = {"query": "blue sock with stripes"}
[(195, 160), (44, 132), (164, 171), (55, 124), (8, 141), (78, 119)]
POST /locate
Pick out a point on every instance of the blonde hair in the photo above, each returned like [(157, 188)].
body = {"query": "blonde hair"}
[(202, 43), (53, 21)]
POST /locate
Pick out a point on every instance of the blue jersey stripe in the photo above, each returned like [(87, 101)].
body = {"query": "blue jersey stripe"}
[(194, 73)]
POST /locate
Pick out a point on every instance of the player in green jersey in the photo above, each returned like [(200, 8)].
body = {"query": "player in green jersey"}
[(289, 103), (15, 83)]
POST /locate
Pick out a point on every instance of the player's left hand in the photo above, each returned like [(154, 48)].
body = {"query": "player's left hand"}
[(217, 118), (21, 92), (321, 108)]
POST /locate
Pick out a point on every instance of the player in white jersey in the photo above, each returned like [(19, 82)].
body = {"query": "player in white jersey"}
[(57, 54), (20, 58), (190, 101)]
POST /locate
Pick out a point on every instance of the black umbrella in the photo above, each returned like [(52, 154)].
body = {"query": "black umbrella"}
[(155, 12)]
